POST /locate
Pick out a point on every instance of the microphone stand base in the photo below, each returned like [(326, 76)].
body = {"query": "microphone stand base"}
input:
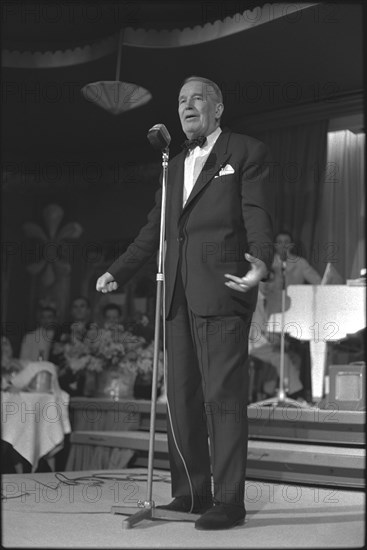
[(281, 401), (149, 511)]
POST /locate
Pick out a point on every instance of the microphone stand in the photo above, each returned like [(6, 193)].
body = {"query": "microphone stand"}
[(147, 509), (281, 398)]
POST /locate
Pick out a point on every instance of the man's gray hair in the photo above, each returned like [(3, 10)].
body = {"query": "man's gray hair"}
[(215, 90)]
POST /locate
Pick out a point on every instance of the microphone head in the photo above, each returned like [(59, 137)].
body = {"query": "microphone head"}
[(159, 137)]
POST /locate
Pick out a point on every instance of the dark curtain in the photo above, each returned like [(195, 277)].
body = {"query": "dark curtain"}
[(299, 160)]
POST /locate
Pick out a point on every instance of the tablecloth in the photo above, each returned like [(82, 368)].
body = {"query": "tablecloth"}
[(35, 423)]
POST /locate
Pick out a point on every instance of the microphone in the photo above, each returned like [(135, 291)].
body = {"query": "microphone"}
[(159, 137), (283, 257)]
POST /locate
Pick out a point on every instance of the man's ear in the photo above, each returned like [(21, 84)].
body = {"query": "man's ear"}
[(219, 110)]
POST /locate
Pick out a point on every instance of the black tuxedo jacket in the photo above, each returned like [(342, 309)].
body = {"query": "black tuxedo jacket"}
[(228, 213)]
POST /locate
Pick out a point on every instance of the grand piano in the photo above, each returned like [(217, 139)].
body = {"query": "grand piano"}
[(320, 314)]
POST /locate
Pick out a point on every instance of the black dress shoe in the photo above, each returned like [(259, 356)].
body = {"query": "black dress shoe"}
[(183, 504), (221, 516)]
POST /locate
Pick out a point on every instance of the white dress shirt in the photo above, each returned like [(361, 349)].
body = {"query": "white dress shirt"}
[(195, 161)]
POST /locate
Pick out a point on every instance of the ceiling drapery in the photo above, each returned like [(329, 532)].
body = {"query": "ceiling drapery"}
[(151, 38)]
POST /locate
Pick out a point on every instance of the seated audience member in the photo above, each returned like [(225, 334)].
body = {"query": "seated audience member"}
[(112, 315), (80, 313), (37, 343), (75, 329), (79, 323)]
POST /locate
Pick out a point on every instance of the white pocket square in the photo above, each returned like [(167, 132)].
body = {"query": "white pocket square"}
[(225, 171)]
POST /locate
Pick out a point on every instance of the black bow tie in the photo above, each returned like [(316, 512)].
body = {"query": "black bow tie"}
[(191, 143)]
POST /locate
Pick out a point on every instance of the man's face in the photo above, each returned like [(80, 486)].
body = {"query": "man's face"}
[(80, 310), (283, 243), (47, 319), (198, 109), (111, 317)]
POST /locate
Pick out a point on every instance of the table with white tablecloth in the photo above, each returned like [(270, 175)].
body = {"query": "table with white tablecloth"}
[(35, 423)]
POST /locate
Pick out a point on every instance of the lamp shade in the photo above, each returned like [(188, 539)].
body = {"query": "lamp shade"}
[(116, 97)]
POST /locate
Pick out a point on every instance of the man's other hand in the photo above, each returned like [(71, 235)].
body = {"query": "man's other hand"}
[(106, 283), (252, 278)]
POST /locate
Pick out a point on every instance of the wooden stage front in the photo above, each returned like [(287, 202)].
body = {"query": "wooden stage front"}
[(286, 444)]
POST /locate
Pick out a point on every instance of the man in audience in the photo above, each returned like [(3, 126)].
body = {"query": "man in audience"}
[(80, 316), (37, 343), (79, 322), (112, 315)]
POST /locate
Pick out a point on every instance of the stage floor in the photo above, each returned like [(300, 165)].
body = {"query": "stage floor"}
[(59, 515)]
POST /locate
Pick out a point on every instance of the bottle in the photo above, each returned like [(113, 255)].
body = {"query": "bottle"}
[(286, 385), (42, 380)]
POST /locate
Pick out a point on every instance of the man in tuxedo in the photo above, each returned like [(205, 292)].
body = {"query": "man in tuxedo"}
[(218, 248)]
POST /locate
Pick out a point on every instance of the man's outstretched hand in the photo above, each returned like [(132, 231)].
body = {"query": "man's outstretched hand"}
[(252, 278), (106, 283)]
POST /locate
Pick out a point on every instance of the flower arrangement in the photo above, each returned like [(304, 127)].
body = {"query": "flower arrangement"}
[(110, 348), (145, 362), (106, 361)]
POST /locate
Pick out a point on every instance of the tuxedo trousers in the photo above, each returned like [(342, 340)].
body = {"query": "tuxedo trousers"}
[(207, 389)]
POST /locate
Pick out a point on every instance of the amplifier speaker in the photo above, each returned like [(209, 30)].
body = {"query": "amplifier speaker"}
[(347, 386)]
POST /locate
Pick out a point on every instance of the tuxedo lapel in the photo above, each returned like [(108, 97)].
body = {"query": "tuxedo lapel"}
[(216, 160)]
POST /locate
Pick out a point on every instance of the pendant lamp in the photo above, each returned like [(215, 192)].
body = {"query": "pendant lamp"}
[(115, 96)]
